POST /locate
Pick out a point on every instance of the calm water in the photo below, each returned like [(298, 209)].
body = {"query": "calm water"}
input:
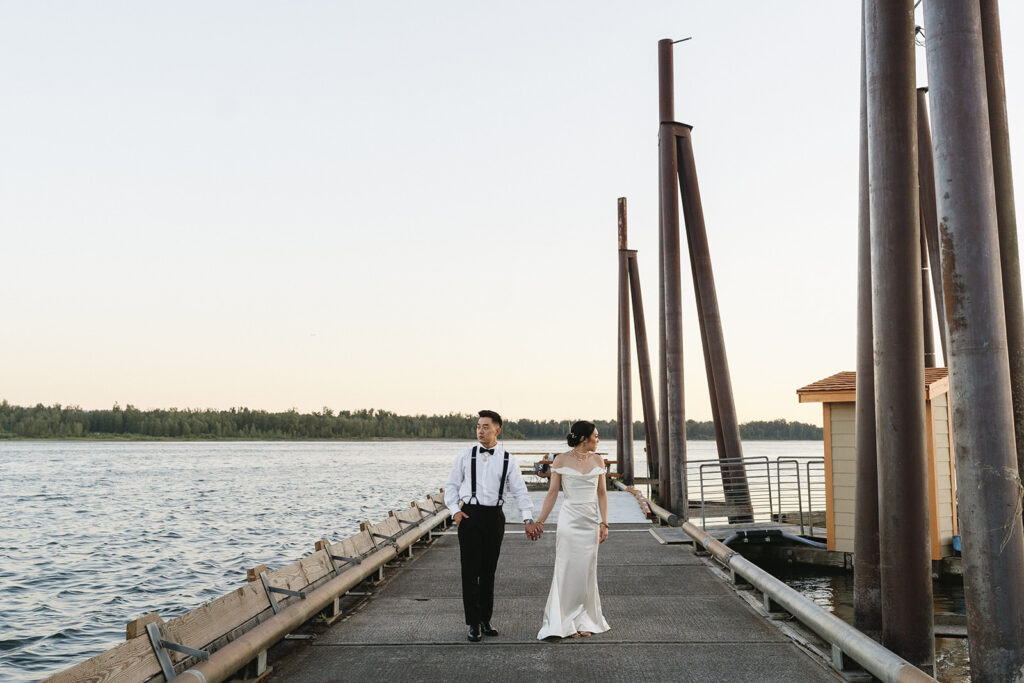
[(834, 591), (93, 535)]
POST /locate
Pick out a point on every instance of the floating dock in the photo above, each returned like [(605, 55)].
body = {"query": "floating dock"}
[(673, 617)]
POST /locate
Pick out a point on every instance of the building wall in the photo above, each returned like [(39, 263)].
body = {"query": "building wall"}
[(843, 453), (943, 474), (844, 472)]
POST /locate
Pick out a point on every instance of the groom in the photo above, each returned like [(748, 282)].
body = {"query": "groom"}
[(474, 493)]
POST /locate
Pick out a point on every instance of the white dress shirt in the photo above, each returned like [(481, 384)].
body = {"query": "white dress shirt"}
[(459, 487)]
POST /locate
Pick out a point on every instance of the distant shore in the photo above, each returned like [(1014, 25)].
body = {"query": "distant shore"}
[(245, 424)]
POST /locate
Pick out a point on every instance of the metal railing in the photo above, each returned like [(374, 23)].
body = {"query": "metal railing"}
[(784, 490), (815, 468), (845, 640)]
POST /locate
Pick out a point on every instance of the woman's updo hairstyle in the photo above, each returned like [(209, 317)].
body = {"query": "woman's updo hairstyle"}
[(580, 432)]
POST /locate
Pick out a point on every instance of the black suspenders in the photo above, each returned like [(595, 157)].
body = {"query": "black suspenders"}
[(501, 486), (472, 496), (472, 474)]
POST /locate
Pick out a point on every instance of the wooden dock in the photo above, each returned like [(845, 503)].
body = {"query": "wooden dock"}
[(674, 617)]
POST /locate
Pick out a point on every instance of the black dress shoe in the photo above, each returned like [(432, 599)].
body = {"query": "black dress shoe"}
[(485, 626), (474, 633)]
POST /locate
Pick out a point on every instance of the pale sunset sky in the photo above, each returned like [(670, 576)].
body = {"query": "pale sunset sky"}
[(411, 206)]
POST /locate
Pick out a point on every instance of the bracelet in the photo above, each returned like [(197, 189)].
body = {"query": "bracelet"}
[(604, 524)]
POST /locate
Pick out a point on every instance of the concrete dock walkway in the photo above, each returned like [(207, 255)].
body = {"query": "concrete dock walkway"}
[(672, 619)]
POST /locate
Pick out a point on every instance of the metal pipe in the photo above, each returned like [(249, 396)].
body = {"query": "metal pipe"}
[(734, 477), (926, 301), (665, 108), (643, 365), (624, 426), (904, 538), (223, 663), (662, 461), (675, 421), (988, 481), (672, 483), (666, 81), (716, 421), (929, 218), (1006, 213), (867, 581)]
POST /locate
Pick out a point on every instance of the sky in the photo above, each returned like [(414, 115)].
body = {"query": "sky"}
[(411, 206)]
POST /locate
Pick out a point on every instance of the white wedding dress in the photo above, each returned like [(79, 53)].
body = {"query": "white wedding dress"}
[(573, 601)]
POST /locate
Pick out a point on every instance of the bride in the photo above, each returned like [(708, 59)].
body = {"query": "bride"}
[(574, 606)]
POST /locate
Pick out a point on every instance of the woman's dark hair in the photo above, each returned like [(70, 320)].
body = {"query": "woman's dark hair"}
[(580, 432)]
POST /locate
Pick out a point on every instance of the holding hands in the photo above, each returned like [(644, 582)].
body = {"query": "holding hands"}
[(534, 530)]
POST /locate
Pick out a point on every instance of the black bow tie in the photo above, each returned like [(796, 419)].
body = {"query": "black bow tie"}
[(489, 451)]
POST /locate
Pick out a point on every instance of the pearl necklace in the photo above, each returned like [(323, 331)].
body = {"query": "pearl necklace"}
[(580, 456)]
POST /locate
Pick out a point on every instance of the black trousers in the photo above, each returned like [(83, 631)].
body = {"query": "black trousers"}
[(480, 537)]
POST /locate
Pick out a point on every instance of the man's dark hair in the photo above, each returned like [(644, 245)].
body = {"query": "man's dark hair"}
[(491, 414)]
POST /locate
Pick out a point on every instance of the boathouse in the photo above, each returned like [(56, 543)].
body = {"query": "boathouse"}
[(837, 395)]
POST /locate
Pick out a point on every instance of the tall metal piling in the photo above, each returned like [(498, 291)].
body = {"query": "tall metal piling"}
[(929, 218), (674, 478), (905, 558), (867, 594), (1006, 213), (661, 472), (643, 362), (666, 107), (734, 476), (624, 430), (983, 420)]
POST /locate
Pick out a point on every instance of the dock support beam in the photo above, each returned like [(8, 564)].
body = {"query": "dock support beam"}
[(1006, 212), (643, 362), (624, 426), (980, 385), (672, 482), (905, 557), (716, 361), (867, 594), (929, 217), (926, 302)]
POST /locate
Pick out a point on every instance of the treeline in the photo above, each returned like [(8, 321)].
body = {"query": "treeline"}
[(759, 430), (72, 422)]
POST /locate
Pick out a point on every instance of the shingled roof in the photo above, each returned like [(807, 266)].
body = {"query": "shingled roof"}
[(842, 386)]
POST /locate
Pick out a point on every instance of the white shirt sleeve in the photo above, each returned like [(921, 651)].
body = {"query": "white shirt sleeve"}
[(517, 487), (454, 484)]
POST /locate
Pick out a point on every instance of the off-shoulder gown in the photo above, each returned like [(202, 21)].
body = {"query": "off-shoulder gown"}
[(573, 601)]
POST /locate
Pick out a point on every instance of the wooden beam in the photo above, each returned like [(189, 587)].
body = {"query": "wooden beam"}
[(137, 628)]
